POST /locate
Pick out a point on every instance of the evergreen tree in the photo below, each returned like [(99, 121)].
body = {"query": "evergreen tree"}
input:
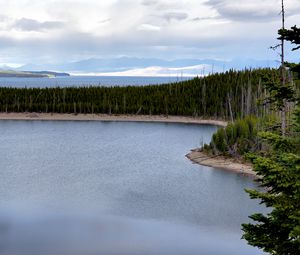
[(291, 35), (278, 232), (279, 94), (235, 139)]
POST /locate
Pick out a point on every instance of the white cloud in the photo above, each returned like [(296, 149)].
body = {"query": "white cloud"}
[(148, 27), (25, 24), (149, 2), (253, 10), (55, 30), (175, 16)]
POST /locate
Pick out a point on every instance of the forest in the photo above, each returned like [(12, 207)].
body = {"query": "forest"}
[(273, 147), (229, 96)]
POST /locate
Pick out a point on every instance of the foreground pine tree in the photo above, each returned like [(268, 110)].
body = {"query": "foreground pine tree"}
[(278, 232)]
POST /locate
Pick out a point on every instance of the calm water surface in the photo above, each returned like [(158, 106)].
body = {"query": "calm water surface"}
[(116, 188), (80, 81)]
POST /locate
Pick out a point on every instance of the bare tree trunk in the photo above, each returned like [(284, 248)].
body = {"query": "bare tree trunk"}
[(283, 75), (229, 105), (109, 110), (124, 104), (204, 97), (242, 103), (258, 95), (248, 102), (64, 98)]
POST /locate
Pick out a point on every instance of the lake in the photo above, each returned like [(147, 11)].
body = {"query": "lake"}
[(116, 188), (80, 81)]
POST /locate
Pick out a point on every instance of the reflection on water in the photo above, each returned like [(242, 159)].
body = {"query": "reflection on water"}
[(70, 234), (115, 188)]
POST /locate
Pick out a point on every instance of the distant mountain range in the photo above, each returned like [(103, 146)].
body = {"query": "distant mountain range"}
[(123, 64)]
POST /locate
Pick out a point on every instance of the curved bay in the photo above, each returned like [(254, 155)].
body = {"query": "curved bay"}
[(116, 188)]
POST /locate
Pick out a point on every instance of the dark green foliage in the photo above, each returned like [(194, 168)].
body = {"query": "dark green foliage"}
[(215, 96), (278, 168), (294, 68), (296, 121), (295, 134), (292, 35), (278, 232), (278, 93), (218, 140), (279, 143), (236, 139)]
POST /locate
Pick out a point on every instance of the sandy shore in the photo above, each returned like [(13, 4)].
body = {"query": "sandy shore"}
[(106, 117), (194, 155), (221, 162)]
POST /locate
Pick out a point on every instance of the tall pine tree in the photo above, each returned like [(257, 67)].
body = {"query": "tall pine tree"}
[(278, 232)]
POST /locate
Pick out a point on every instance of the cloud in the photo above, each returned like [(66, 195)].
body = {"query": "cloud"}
[(6, 42), (196, 19), (255, 10), (104, 21), (165, 29), (148, 27), (25, 24), (149, 2), (175, 16), (3, 18)]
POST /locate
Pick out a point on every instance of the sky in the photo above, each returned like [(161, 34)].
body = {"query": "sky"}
[(58, 31)]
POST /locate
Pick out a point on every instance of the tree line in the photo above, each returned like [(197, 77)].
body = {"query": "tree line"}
[(229, 95)]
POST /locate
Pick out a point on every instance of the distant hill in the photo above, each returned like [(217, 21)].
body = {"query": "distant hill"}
[(48, 73), (30, 74)]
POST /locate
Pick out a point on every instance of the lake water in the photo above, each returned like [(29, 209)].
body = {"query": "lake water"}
[(114, 188), (80, 81)]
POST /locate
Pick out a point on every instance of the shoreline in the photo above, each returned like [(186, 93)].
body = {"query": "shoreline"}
[(221, 162), (107, 117), (195, 155)]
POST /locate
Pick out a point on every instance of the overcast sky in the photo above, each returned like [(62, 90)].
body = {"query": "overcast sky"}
[(51, 31)]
